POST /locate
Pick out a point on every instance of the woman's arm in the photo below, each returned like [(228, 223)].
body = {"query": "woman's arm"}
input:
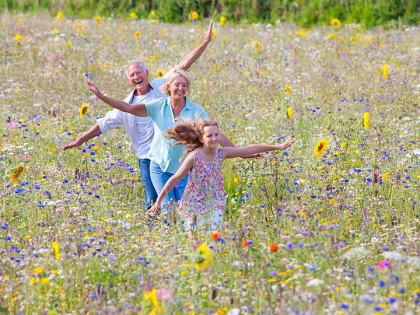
[(253, 149), (135, 109), (173, 181), (192, 56)]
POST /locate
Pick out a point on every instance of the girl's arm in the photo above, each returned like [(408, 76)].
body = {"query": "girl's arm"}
[(173, 181), (135, 109), (253, 149)]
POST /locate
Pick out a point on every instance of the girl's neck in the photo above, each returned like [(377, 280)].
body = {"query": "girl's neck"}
[(208, 151)]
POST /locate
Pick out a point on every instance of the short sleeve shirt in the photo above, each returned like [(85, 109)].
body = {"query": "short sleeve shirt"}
[(162, 151)]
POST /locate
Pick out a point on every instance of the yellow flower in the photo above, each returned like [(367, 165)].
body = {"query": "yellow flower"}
[(385, 71), (194, 15), (16, 174), (332, 201), (153, 13), (213, 32), (335, 22), (98, 19), (257, 45), (203, 257), (84, 109), (45, 281), (163, 31), (222, 20), (70, 45), (366, 120), (289, 112), (19, 37), (56, 247), (385, 176), (133, 15), (33, 281), (60, 15), (137, 34), (151, 296), (38, 270), (159, 74), (287, 89), (17, 90), (320, 147), (55, 30)]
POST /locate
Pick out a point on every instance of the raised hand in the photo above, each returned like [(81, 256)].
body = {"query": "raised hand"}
[(209, 35), (93, 88)]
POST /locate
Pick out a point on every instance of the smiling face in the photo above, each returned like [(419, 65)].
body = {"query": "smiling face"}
[(139, 78), (178, 87), (210, 138)]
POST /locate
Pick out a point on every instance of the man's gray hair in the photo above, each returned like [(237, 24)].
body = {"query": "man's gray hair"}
[(132, 63)]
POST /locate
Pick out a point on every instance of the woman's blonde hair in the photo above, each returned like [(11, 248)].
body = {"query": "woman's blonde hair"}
[(171, 77), (189, 133)]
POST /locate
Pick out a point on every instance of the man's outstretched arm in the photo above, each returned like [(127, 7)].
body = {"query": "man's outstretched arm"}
[(91, 133), (193, 55)]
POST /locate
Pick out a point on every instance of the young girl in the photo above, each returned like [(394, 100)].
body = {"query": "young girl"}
[(204, 196)]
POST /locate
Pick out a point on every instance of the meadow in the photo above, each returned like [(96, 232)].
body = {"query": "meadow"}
[(329, 226)]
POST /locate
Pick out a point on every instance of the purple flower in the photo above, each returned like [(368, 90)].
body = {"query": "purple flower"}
[(290, 245)]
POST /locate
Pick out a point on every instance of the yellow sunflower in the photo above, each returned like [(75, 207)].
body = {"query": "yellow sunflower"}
[(287, 89), (133, 15), (84, 109), (289, 112), (385, 71), (366, 123), (16, 174), (159, 73), (203, 257), (222, 20), (194, 15), (320, 147), (98, 19), (137, 34), (335, 22)]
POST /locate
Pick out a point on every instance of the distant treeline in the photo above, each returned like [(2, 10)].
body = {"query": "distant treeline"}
[(304, 12)]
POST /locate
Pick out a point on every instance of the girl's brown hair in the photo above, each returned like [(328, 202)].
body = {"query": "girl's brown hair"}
[(189, 133)]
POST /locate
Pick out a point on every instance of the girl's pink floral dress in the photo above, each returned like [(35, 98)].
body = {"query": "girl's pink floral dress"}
[(205, 193)]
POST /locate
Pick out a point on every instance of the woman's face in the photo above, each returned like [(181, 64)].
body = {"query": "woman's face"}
[(178, 87), (210, 138)]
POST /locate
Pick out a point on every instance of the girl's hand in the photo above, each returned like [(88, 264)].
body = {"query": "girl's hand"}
[(153, 211), (93, 88), (285, 145), (209, 35)]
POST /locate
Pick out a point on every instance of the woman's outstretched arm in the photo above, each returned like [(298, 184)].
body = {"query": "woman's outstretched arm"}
[(229, 152), (135, 109), (173, 181)]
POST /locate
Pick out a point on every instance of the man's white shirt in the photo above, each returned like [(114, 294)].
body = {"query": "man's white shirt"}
[(139, 130)]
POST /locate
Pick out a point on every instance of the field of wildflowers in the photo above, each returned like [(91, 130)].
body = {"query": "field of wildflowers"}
[(329, 226)]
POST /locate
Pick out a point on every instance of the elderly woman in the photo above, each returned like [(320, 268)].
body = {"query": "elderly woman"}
[(164, 113)]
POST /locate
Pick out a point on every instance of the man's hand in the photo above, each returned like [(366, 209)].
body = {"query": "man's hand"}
[(94, 89), (73, 144)]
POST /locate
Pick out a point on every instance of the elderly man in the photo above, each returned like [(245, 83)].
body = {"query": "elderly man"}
[(140, 130)]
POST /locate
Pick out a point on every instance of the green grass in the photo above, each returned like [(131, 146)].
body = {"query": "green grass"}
[(332, 222)]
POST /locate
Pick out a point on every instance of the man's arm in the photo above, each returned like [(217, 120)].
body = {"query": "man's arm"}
[(192, 56), (91, 133)]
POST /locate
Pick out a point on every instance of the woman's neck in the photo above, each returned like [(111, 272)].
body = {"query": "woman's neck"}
[(177, 105)]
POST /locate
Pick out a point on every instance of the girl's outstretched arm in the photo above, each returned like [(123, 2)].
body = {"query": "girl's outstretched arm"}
[(253, 149), (173, 181), (135, 109)]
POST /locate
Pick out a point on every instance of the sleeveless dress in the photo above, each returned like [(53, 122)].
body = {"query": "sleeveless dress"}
[(205, 193)]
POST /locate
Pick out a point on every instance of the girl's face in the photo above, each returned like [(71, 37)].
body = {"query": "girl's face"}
[(178, 87), (210, 138)]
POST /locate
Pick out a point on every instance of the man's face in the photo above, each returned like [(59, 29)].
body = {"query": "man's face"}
[(139, 78)]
